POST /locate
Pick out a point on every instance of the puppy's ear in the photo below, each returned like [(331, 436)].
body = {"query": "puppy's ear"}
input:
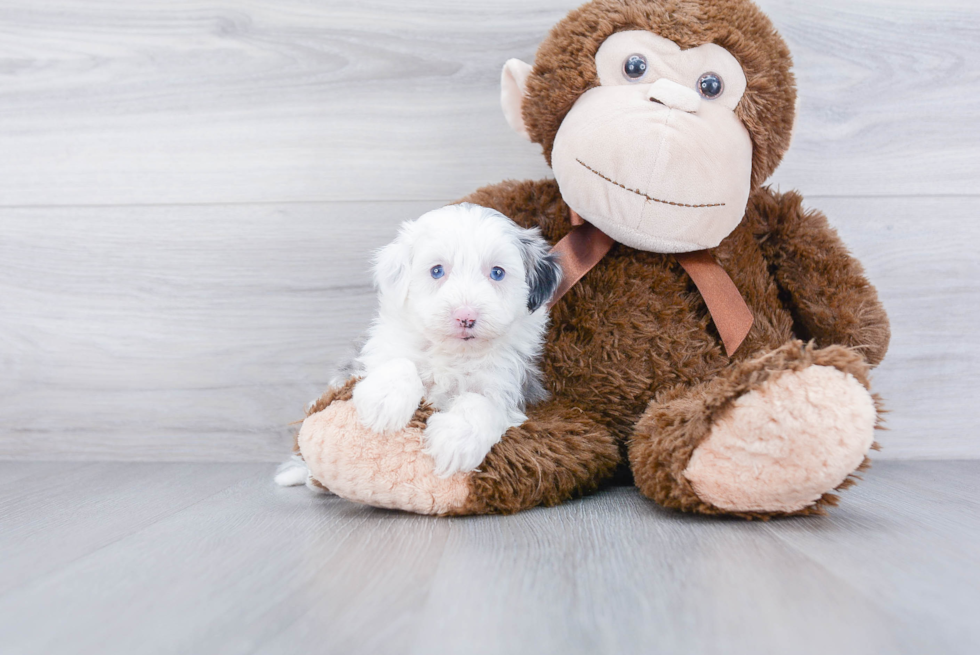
[(542, 267), (391, 270)]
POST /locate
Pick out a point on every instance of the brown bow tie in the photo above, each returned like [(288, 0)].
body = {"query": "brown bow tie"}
[(585, 245)]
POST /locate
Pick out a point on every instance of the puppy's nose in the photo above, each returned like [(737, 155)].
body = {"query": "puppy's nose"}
[(465, 317)]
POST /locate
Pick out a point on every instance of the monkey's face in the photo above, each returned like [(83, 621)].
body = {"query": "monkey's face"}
[(654, 156)]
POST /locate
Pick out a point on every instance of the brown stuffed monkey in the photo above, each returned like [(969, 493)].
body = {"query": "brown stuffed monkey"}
[(661, 120)]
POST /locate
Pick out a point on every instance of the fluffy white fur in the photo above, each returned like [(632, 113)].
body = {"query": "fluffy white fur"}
[(465, 342)]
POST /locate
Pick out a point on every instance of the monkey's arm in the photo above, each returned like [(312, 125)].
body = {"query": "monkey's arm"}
[(825, 287), (559, 453)]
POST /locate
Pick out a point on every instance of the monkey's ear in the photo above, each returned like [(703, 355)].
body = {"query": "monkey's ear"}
[(513, 85), (391, 270)]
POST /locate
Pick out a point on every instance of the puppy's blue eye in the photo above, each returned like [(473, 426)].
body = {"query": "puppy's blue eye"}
[(497, 273), (437, 272)]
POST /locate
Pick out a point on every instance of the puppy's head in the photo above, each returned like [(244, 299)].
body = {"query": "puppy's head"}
[(465, 274)]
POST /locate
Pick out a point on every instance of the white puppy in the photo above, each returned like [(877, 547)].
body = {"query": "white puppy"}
[(463, 293)]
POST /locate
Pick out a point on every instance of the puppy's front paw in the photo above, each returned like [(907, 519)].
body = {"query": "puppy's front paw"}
[(386, 399), (453, 444)]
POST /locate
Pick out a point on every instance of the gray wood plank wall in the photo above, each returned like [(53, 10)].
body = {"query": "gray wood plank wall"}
[(189, 192)]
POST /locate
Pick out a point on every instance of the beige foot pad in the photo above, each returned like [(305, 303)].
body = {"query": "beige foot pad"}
[(388, 470), (783, 446)]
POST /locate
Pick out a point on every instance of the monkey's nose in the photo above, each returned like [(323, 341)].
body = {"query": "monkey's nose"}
[(674, 95)]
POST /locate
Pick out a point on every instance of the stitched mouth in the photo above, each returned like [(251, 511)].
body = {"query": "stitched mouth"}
[(640, 193)]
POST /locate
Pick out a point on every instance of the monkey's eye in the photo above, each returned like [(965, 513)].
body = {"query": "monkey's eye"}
[(710, 85), (635, 67), (437, 272), (497, 273)]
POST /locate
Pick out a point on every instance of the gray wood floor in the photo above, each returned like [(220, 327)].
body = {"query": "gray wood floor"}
[(213, 558)]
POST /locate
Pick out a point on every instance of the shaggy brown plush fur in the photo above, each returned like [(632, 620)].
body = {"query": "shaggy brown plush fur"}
[(564, 66)]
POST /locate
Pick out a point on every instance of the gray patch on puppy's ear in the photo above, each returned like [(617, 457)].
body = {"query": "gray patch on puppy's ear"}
[(543, 271)]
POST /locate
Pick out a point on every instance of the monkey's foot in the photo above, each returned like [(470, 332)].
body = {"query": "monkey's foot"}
[(782, 446), (384, 470), (768, 436)]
